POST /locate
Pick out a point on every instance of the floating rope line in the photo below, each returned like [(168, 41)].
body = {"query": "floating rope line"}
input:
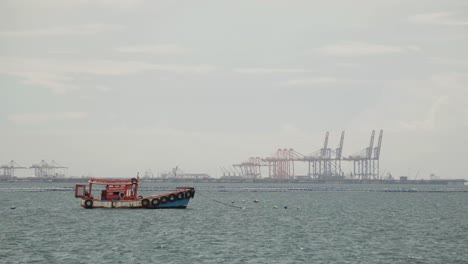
[(246, 189), (214, 200)]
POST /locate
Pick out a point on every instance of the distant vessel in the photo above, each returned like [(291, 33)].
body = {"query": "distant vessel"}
[(178, 174), (124, 194)]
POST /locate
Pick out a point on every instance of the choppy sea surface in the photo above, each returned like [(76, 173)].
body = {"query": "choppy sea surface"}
[(223, 224)]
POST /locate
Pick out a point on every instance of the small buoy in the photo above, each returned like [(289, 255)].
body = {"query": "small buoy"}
[(13, 207), (275, 206), (285, 207), (255, 201)]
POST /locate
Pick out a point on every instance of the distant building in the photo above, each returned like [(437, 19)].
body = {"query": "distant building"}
[(195, 176), (177, 173)]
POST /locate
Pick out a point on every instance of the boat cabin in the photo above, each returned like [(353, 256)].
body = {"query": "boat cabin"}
[(115, 190)]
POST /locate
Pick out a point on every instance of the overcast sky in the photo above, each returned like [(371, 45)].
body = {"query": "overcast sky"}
[(110, 88)]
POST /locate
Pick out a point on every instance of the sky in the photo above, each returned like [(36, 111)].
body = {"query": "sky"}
[(113, 88)]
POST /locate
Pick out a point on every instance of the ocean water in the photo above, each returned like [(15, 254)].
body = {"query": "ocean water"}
[(322, 224)]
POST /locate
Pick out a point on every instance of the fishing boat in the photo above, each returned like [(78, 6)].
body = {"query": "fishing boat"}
[(124, 194)]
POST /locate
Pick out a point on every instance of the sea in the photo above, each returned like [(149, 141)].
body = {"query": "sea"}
[(240, 223)]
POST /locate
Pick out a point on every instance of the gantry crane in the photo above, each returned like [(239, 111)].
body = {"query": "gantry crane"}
[(325, 163), (366, 162), (281, 164), (47, 170), (9, 169)]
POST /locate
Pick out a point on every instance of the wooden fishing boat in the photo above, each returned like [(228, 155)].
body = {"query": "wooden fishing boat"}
[(124, 194)]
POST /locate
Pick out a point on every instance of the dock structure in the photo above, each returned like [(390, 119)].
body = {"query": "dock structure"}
[(366, 162), (177, 174), (323, 164), (42, 170), (9, 169), (251, 168), (281, 164), (232, 171), (48, 170)]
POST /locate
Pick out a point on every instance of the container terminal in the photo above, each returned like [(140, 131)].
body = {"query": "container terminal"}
[(322, 166)]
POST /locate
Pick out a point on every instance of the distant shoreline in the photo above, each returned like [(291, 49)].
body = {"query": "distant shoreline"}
[(264, 180)]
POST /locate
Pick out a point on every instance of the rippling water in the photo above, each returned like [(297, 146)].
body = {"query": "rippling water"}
[(317, 227)]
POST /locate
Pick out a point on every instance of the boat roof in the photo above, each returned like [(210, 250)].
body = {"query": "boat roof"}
[(113, 181)]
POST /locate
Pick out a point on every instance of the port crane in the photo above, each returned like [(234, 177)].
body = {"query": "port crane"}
[(9, 169), (326, 162), (47, 170)]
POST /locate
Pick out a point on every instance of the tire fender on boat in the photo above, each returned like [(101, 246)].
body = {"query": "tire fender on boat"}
[(180, 196), (88, 204), (121, 195), (188, 194), (163, 199), (145, 203), (155, 202), (172, 197)]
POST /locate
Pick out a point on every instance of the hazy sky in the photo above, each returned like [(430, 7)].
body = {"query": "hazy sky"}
[(111, 88)]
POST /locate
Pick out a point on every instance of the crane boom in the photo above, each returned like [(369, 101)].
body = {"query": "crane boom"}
[(339, 151), (324, 151), (379, 146), (371, 145)]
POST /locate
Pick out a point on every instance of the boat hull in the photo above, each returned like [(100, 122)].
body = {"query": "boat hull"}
[(179, 204)]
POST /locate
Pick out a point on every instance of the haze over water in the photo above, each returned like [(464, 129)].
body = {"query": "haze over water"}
[(354, 226), (110, 88)]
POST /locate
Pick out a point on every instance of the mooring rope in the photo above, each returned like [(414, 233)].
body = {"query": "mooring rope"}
[(217, 201)]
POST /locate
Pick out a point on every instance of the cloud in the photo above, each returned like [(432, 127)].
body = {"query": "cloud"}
[(432, 104), (34, 118), (311, 81), (113, 3), (165, 49), (103, 88), (289, 129), (430, 122), (449, 61), (265, 71), (57, 82), (84, 30), (349, 49), (439, 18), (61, 75), (74, 4)]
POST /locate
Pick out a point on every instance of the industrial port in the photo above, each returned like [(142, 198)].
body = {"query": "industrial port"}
[(325, 165), (42, 170)]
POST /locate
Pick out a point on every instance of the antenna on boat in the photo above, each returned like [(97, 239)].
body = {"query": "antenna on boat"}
[(138, 175)]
